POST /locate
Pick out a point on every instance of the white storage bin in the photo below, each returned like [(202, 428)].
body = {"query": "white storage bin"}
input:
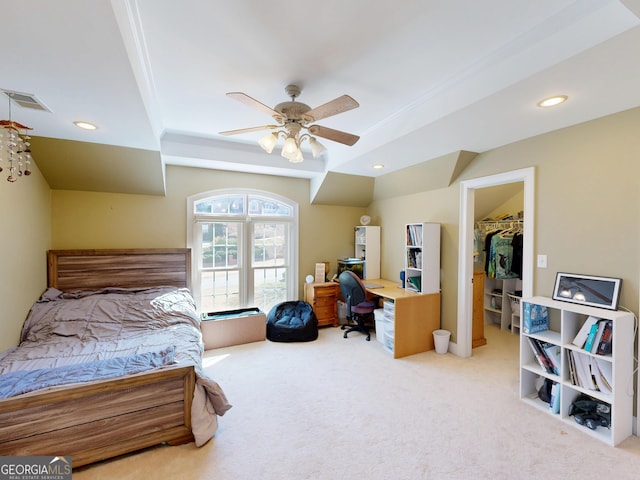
[(378, 316), (388, 342)]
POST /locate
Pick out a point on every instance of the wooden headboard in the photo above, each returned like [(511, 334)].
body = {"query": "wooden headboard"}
[(93, 269)]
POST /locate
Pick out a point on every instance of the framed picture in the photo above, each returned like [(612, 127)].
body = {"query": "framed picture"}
[(602, 292)]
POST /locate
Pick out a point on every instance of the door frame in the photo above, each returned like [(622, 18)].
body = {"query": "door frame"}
[(463, 346)]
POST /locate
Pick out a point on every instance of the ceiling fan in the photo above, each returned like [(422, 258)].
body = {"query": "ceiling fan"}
[(293, 118)]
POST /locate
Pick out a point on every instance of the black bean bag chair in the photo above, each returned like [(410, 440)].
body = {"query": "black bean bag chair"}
[(292, 321)]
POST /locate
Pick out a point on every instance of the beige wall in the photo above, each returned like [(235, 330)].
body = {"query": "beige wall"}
[(586, 207), (25, 219), (104, 220), (586, 214)]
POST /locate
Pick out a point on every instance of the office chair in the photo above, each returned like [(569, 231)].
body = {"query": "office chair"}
[(355, 296)]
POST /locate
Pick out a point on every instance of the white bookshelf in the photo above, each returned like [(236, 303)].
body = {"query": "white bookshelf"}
[(565, 320), (368, 249), (497, 304), (422, 256)]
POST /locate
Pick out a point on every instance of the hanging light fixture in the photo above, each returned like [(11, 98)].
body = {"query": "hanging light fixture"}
[(14, 147), (291, 148)]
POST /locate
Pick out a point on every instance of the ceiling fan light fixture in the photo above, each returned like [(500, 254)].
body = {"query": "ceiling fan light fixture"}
[(289, 148), (293, 120), (297, 157), (317, 148), (268, 142)]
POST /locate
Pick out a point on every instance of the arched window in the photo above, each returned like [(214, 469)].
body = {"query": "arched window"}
[(244, 245)]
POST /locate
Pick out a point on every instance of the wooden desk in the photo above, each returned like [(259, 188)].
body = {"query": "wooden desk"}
[(417, 315)]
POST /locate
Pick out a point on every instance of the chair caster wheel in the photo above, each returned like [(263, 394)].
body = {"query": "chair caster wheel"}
[(345, 335), (368, 338)]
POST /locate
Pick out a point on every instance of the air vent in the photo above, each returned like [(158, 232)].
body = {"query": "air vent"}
[(26, 100)]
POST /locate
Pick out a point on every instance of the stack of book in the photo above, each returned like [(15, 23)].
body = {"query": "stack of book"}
[(414, 235), (595, 336), (589, 371), (547, 354)]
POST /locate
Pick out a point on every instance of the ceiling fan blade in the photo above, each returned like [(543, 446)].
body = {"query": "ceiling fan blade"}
[(334, 107), (250, 129), (252, 102), (335, 135)]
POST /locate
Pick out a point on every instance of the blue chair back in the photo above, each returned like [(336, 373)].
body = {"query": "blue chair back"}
[(352, 289)]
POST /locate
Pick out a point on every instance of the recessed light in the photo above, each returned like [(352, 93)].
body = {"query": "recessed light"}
[(85, 125), (552, 101), (378, 166)]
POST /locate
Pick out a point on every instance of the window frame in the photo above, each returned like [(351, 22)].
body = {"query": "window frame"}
[(246, 231)]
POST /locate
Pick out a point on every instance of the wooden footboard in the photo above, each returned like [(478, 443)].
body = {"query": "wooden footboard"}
[(100, 420)]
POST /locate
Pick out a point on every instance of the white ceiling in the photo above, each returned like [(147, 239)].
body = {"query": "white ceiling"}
[(431, 77)]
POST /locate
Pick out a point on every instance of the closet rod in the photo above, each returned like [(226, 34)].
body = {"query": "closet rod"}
[(498, 224)]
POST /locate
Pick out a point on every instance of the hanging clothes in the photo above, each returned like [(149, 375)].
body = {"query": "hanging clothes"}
[(517, 245), (489, 267), (503, 253)]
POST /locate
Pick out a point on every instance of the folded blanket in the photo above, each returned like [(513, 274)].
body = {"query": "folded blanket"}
[(24, 381)]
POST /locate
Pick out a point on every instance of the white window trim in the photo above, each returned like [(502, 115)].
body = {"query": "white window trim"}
[(192, 219)]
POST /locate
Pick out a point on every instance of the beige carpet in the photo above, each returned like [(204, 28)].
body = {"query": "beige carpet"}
[(345, 409)]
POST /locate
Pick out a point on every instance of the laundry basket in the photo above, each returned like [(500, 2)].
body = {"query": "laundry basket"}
[(515, 303)]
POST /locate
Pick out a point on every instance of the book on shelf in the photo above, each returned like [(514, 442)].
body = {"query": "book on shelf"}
[(591, 337), (414, 258), (585, 378), (605, 346), (414, 235), (602, 383), (554, 401), (581, 337), (598, 337), (553, 353), (606, 373), (538, 353), (572, 368), (415, 282)]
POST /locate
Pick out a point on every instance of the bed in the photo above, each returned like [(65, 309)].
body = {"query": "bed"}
[(80, 328)]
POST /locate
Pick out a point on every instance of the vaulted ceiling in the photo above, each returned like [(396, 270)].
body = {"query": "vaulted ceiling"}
[(432, 78)]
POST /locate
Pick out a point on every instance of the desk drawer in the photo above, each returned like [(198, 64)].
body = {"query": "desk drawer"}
[(328, 291), (319, 302), (328, 311)]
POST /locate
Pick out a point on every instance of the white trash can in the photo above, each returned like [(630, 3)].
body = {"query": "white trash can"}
[(441, 339)]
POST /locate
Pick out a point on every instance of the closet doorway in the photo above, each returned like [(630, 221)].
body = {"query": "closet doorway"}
[(463, 345), (497, 259)]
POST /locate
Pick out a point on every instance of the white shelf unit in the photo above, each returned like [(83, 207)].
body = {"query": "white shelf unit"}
[(368, 249), (422, 257), (497, 304), (565, 320)]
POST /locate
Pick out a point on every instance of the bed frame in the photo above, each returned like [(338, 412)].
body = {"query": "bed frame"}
[(103, 419)]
